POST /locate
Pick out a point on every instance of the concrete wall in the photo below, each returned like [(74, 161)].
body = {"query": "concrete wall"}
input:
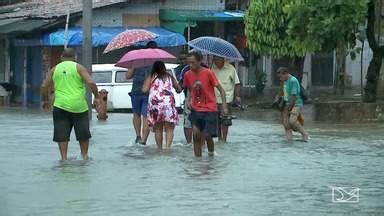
[(348, 112)]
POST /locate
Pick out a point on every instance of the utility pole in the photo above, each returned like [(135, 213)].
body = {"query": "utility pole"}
[(87, 45)]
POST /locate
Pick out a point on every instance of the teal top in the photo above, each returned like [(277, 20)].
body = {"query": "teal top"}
[(292, 88)]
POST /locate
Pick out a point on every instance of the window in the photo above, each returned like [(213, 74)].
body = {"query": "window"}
[(102, 76), (120, 77)]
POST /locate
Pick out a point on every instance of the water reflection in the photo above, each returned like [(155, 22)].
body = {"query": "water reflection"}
[(206, 168), (256, 172)]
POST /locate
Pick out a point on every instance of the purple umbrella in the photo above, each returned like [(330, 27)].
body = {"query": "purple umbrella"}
[(143, 57)]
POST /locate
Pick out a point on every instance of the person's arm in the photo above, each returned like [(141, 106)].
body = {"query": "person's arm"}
[(181, 84), (237, 83), (238, 93), (147, 84), (129, 74), (223, 99), (46, 88), (281, 90), (182, 76), (176, 85), (188, 100), (88, 80)]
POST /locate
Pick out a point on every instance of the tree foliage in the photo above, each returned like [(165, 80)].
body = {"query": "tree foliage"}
[(295, 27), (327, 24), (266, 26)]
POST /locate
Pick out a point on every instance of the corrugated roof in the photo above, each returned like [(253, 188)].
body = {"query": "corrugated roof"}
[(46, 11)]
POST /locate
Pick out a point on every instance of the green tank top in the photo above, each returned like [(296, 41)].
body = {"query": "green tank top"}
[(69, 88)]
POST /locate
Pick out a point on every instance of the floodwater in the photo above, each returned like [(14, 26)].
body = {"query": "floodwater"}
[(256, 173)]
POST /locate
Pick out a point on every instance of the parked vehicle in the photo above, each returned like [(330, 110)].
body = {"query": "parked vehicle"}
[(112, 79)]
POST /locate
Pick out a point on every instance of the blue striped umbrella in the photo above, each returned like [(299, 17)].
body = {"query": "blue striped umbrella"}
[(216, 46)]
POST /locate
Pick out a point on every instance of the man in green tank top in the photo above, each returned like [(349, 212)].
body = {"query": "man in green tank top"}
[(67, 80)]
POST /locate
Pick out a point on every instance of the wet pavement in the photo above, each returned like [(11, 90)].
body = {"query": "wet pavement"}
[(256, 173)]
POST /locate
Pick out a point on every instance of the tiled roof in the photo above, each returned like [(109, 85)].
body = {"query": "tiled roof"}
[(43, 9)]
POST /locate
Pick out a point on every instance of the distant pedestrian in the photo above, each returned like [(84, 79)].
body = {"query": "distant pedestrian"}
[(293, 109), (201, 83), (139, 99), (280, 102), (67, 80), (180, 67), (162, 113)]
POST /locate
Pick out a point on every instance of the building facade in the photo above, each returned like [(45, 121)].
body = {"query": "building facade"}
[(26, 64)]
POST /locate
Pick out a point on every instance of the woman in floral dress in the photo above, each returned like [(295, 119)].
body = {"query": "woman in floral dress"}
[(162, 114)]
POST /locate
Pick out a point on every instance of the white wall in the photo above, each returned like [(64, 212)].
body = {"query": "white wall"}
[(307, 72), (353, 66), (267, 65)]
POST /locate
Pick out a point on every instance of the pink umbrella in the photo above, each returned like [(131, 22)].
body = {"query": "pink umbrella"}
[(143, 57), (128, 38)]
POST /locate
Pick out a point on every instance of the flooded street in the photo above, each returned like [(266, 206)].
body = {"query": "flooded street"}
[(256, 173)]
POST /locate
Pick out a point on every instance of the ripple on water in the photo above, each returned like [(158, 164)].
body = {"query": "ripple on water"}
[(256, 172)]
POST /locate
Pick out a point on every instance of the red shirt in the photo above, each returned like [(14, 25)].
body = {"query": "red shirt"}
[(201, 86)]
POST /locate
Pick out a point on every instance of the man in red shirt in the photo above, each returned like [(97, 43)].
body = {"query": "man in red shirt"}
[(201, 83)]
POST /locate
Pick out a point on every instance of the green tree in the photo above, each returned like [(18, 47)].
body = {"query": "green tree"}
[(266, 26), (327, 25), (295, 27)]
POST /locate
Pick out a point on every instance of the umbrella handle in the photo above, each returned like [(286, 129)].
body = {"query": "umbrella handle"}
[(211, 63), (210, 66)]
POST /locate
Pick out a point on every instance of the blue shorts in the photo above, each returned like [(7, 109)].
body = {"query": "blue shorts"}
[(139, 104), (206, 122)]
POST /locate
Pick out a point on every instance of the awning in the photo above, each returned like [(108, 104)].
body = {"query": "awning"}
[(101, 36), (178, 20)]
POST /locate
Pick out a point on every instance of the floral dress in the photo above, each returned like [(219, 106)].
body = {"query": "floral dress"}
[(161, 102)]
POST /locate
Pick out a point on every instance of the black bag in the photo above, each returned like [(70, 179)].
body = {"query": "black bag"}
[(303, 93)]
